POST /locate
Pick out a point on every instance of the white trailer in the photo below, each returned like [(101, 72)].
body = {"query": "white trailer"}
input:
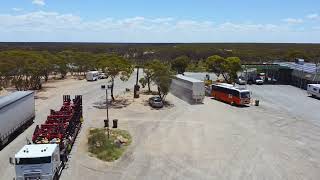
[(92, 75), (17, 110), (188, 89), (38, 161), (314, 90)]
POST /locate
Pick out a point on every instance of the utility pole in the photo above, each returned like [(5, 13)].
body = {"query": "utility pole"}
[(136, 87), (107, 104)]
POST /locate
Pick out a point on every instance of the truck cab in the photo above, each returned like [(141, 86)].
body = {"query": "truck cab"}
[(37, 161)]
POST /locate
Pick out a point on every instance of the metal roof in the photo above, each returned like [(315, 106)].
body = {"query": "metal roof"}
[(36, 150), (315, 85), (306, 67), (190, 79), (13, 97)]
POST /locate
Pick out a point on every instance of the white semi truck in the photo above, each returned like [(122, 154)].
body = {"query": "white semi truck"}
[(314, 90), (188, 89), (52, 143), (17, 111), (38, 161)]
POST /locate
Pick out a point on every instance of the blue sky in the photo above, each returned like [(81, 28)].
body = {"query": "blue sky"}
[(160, 21)]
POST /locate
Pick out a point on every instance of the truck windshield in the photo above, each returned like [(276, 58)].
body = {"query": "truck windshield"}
[(39, 160), (245, 95)]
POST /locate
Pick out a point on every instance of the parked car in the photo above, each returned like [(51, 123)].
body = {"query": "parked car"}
[(259, 81), (272, 80), (102, 76), (240, 81), (155, 102)]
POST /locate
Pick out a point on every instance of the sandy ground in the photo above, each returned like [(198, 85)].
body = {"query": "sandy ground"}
[(277, 140)]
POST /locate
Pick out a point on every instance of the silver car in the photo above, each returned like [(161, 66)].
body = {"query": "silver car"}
[(155, 102)]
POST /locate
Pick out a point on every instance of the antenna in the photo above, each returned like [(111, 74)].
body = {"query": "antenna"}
[(28, 141)]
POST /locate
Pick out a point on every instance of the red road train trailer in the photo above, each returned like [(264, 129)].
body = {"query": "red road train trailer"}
[(61, 127)]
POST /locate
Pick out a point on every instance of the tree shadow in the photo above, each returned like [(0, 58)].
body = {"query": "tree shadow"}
[(146, 92), (116, 104), (40, 97)]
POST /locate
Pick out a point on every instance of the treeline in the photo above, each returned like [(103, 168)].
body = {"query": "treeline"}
[(27, 69), (248, 52)]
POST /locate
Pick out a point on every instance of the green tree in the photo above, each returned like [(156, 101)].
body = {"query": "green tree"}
[(48, 64), (148, 70), (162, 77), (84, 61), (232, 67), (116, 66), (180, 64), (26, 68), (228, 67), (63, 63), (216, 64)]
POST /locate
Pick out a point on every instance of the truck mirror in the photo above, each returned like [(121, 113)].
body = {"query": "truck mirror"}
[(11, 161)]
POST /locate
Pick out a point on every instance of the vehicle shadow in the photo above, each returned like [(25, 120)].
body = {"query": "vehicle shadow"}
[(314, 97), (166, 105), (17, 133), (238, 106)]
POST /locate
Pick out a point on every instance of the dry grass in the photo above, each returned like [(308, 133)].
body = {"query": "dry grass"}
[(106, 149)]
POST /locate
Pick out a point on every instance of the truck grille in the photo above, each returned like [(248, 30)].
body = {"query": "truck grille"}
[(33, 176)]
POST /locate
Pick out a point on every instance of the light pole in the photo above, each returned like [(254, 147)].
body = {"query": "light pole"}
[(106, 122)]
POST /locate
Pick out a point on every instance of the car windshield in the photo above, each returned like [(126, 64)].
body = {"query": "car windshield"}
[(245, 95), (157, 100), (40, 160)]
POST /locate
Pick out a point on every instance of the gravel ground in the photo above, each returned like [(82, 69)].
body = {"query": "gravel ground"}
[(277, 140), (209, 141)]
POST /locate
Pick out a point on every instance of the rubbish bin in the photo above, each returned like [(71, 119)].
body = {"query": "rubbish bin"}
[(115, 123), (257, 102), (106, 123)]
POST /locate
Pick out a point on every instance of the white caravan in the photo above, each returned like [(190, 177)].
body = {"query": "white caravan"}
[(92, 75), (314, 90)]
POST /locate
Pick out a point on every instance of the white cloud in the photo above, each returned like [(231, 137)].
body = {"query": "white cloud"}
[(313, 16), (17, 9), (39, 2), (293, 21), (53, 26)]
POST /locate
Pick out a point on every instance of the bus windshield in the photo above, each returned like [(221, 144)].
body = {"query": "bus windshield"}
[(245, 94), (39, 160)]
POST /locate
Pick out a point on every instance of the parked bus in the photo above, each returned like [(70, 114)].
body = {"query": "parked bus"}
[(230, 94)]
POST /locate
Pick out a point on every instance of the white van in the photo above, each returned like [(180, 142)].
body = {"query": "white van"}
[(92, 75), (314, 90)]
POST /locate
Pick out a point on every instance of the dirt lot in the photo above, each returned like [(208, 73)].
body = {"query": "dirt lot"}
[(277, 140), (209, 141)]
